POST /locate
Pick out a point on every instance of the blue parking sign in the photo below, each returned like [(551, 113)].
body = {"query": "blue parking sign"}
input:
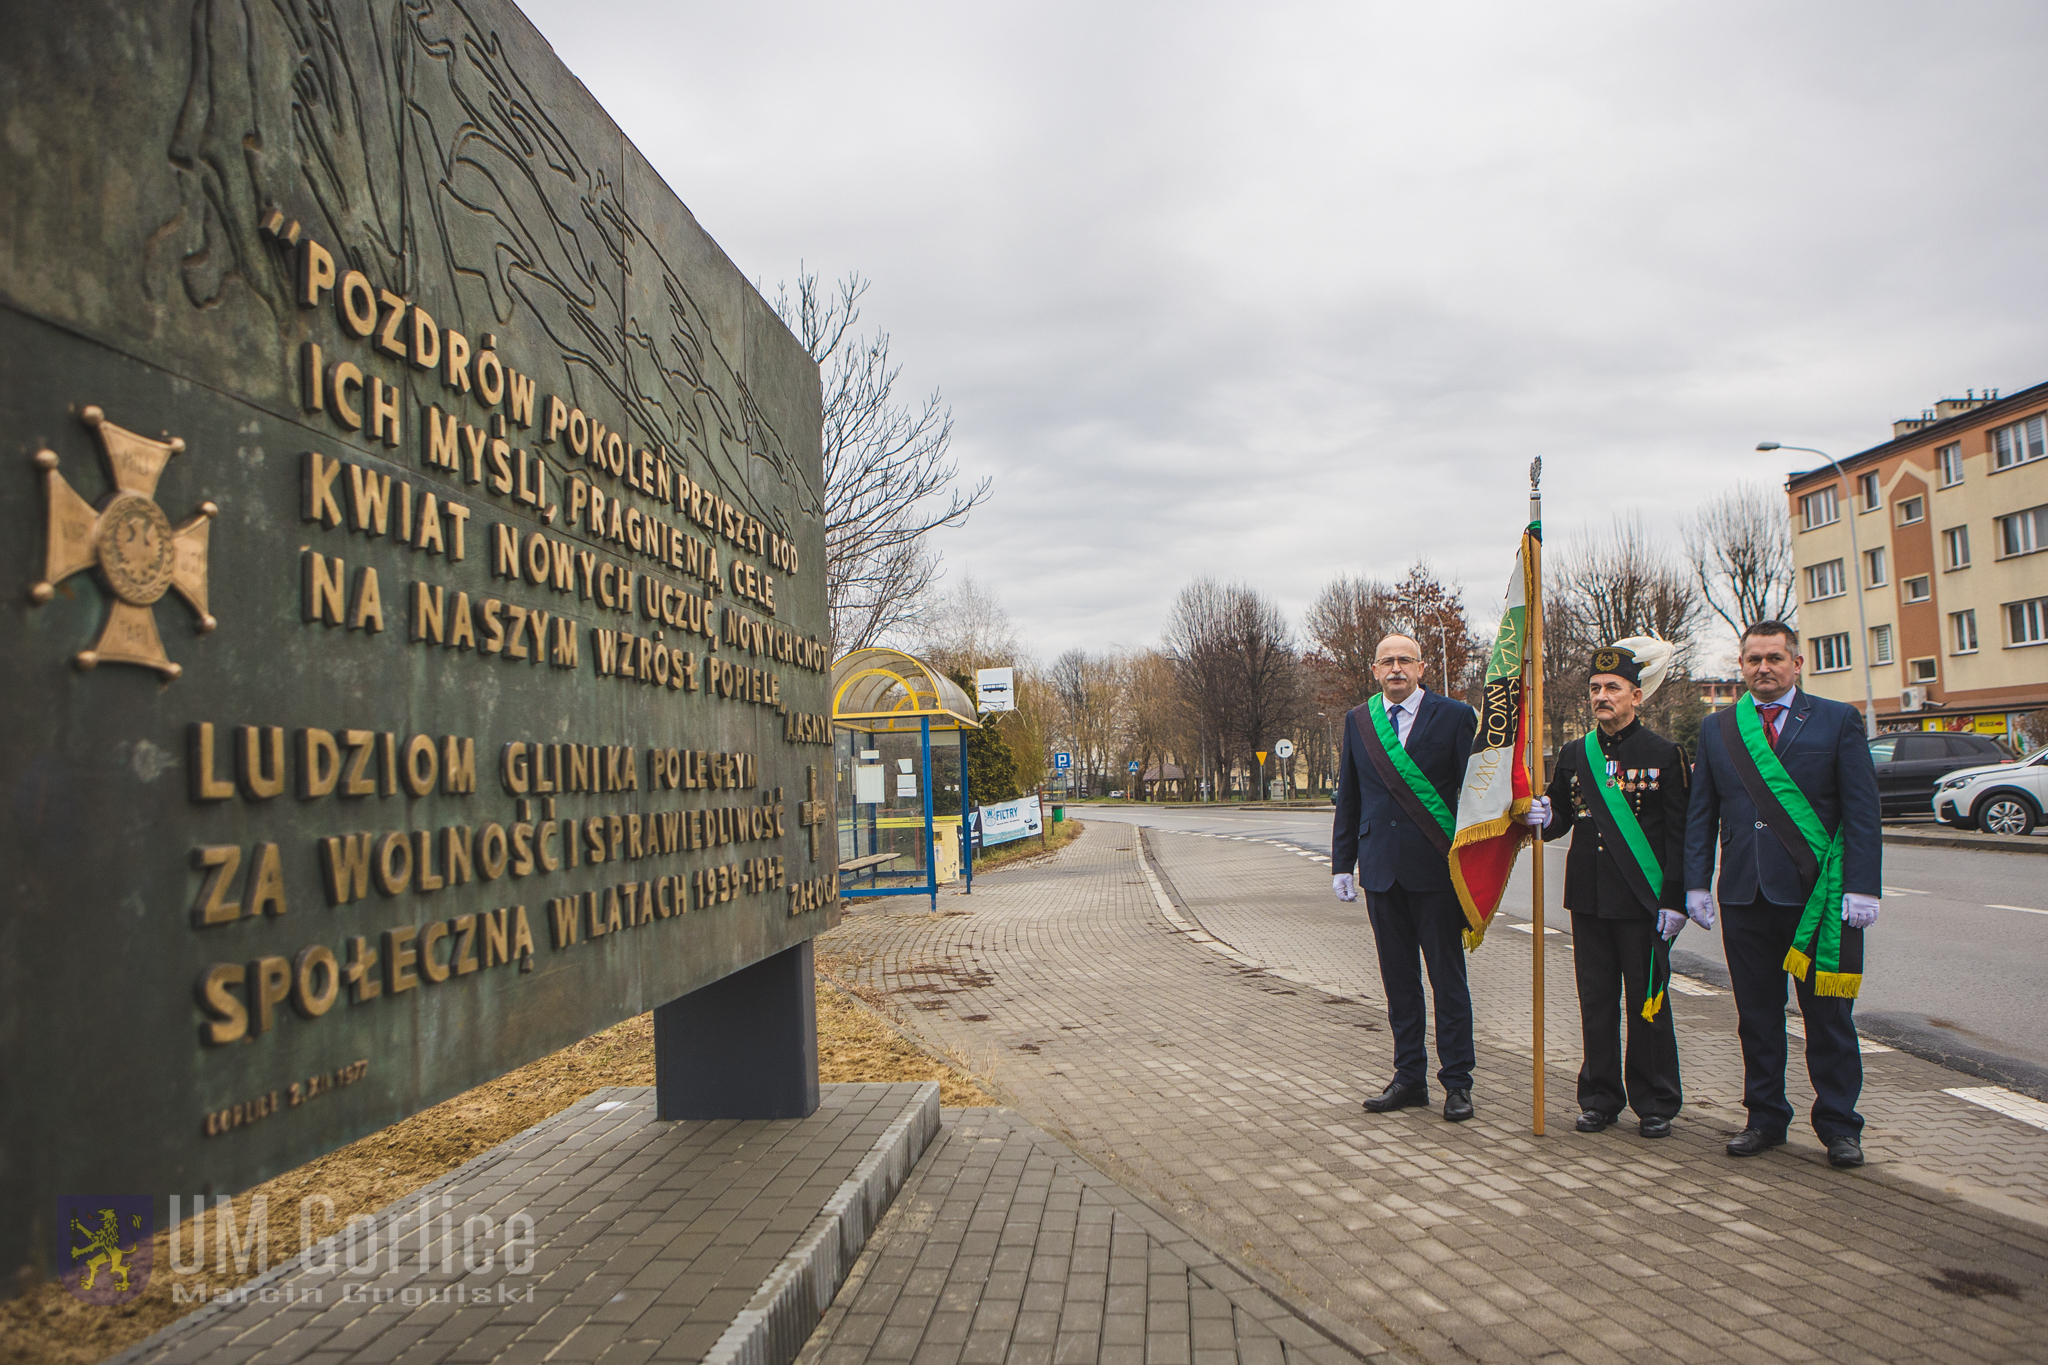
[(1062, 761)]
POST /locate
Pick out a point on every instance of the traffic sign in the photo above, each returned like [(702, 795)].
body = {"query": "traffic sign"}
[(1133, 765), (1062, 761), (1285, 748), (1262, 755)]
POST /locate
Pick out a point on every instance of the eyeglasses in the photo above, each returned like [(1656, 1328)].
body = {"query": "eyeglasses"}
[(1402, 660)]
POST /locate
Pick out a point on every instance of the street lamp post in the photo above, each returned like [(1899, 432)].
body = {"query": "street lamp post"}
[(1855, 576)]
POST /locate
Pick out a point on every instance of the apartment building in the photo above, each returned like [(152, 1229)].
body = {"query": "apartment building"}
[(1950, 523)]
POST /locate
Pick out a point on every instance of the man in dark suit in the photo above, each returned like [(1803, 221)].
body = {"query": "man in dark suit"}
[(1774, 882), (1397, 800)]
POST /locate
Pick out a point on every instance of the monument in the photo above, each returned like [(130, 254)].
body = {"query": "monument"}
[(416, 640)]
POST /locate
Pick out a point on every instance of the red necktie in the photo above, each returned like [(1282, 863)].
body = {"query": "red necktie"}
[(1770, 712)]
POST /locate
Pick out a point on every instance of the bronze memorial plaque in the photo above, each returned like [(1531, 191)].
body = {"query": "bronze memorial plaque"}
[(416, 648)]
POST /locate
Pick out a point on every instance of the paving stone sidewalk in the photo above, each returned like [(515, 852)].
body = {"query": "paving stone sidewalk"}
[(1223, 1081), (648, 1241), (1007, 1249)]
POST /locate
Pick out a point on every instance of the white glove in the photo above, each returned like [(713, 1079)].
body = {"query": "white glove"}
[(1699, 908), (1859, 912), (1346, 889), (1669, 922), (1538, 814)]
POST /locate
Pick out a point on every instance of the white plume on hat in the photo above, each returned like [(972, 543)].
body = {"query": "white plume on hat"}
[(1653, 660)]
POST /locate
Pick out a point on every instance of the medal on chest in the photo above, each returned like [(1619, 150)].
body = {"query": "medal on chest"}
[(1612, 768)]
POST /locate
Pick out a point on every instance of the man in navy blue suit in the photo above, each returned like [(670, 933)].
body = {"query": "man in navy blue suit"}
[(1397, 802), (1784, 783)]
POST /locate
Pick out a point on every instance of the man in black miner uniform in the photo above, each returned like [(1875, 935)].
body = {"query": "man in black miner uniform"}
[(1625, 907)]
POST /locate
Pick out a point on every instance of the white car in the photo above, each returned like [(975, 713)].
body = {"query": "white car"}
[(2003, 798)]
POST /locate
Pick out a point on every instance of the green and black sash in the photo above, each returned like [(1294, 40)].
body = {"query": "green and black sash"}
[(1619, 828), (1398, 773), (1820, 942)]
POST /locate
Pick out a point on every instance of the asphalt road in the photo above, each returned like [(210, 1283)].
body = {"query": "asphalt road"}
[(1953, 972)]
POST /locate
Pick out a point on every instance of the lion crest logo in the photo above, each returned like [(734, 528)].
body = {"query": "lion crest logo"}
[(107, 1246)]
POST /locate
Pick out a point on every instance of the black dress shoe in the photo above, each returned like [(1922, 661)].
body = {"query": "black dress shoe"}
[(1592, 1121), (1845, 1152), (1398, 1096), (1753, 1141), (1457, 1105), (1654, 1126)]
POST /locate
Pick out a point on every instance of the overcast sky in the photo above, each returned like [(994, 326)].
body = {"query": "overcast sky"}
[(1277, 292)]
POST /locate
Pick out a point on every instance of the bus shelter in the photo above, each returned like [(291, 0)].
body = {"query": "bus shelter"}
[(891, 779)]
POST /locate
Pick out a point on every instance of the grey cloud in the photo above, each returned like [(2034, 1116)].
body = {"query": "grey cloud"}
[(1280, 292)]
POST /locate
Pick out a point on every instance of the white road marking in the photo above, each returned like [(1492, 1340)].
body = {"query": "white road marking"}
[(2007, 1102), (1530, 929), (1796, 1028), (2023, 909), (1902, 891)]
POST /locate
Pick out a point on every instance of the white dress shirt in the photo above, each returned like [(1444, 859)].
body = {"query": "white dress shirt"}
[(1403, 716)]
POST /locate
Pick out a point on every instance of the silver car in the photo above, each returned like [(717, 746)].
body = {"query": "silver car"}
[(2001, 798)]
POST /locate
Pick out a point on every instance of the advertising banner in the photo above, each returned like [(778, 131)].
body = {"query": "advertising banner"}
[(1011, 820)]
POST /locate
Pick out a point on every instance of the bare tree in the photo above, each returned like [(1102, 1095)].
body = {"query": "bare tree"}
[(1432, 613), (1740, 550), (1092, 695), (1623, 583), (967, 627), (889, 479), (1240, 672), (1347, 621), (1608, 587)]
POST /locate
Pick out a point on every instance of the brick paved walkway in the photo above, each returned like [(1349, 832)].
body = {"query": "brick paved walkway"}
[(1006, 1249), (649, 1241), (1226, 1088)]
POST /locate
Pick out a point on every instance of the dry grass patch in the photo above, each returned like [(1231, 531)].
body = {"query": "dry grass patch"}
[(46, 1326), (1057, 837)]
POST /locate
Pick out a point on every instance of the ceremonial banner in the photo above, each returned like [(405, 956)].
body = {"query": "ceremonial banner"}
[(1490, 832)]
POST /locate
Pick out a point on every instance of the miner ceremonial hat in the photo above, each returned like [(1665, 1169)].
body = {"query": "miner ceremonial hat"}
[(1641, 659)]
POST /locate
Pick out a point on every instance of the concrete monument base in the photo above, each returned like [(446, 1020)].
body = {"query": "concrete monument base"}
[(717, 1240)]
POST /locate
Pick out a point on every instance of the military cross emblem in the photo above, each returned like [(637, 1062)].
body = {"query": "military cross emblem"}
[(811, 813), (131, 542)]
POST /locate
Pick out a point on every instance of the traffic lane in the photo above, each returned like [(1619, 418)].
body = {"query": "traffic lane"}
[(1306, 828), (1946, 975)]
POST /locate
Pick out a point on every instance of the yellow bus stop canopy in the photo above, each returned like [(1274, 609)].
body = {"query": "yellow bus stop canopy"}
[(884, 691)]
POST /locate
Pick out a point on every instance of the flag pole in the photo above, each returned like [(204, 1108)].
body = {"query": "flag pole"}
[(1537, 782)]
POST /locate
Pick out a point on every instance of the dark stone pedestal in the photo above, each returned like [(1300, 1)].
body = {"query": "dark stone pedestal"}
[(743, 1047)]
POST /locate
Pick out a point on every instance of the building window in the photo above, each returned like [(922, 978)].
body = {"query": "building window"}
[(1912, 510), (1869, 492), (1918, 589), (2020, 442), (1831, 653), (1818, 509), (1951, 457), (1874, 568), (1825, 580), (1962, 632), (1920, 670), (2022, 533), (1956, 542), (1880, 644), (2026, 623)]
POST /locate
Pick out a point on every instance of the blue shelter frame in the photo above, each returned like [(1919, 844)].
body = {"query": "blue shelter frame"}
[(885, 691)]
